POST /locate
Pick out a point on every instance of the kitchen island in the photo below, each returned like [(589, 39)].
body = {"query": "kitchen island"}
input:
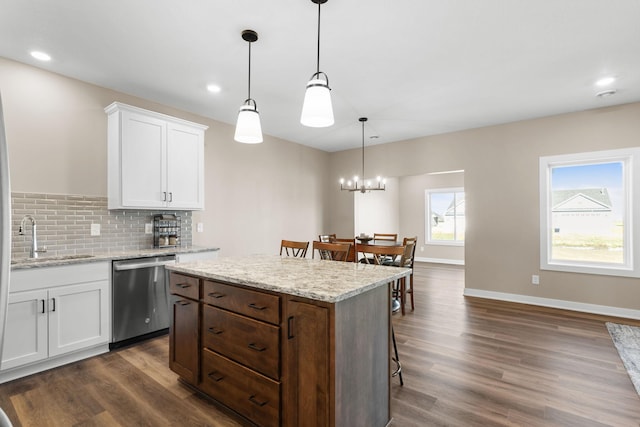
[(286, 341)]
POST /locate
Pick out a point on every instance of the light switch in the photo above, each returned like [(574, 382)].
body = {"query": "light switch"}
[(95, 229), (148, 228), (200, 227)]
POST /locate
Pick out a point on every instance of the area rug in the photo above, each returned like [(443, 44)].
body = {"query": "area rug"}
[(627, 341)]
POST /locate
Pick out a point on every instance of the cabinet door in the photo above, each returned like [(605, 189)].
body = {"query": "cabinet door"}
[(185, 167), (183, 338), (25, 339), (143, 161), (307, 365), (78, 317)]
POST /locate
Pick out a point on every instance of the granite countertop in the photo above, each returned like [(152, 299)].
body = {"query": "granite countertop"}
[(322, 280), (45, 261)]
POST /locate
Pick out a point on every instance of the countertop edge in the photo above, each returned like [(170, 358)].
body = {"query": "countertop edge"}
[(28, 263)]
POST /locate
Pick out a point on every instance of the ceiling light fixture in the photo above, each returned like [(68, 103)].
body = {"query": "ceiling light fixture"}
[(213, 88), (41, 56), (317, 111), (605, 81), (364, 185), (248, 129)]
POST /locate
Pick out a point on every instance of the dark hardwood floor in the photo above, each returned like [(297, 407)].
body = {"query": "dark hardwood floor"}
[(466, 362)]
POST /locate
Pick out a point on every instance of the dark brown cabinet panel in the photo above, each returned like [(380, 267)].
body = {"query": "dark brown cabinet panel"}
[(184, 338), (308, 365)]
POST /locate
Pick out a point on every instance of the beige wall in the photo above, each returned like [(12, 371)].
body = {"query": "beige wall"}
[(501, 186), (255, 195), (412, 214)]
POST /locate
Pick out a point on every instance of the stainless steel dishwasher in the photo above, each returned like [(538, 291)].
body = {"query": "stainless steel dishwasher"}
[(140, 299)]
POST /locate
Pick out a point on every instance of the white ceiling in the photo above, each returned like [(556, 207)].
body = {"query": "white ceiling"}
[(414, 67)]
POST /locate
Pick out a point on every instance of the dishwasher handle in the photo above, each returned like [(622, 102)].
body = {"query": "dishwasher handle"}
[(137, 265)]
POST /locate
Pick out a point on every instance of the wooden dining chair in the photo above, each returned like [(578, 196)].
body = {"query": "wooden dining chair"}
[(376, 254), (406, 261), (294, 249), (385, 236), (327, 238), (331, 251), (352, 251)]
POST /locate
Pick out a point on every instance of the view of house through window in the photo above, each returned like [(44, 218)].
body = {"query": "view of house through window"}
[(587, 213), (445, 220), (586, 203)]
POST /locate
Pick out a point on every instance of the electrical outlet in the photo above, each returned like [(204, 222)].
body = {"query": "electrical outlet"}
[(148, 228), (421, 248), (200, 227), (535, 279), (95, 229)]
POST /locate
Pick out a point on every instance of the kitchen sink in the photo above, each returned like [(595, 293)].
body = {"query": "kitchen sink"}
[(51, 258)]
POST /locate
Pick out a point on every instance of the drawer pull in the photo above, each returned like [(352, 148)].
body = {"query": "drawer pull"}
[(216, 376), (183, 285), (253, 346), (215, 331), (257, 307), (257, 402), (216, 295), (184, 302)]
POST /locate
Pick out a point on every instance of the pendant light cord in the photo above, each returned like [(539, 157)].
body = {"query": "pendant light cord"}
[(318, 57), (363, 153), (249, 77)]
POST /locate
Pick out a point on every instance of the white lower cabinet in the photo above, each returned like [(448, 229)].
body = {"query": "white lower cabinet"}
[(55, 315)]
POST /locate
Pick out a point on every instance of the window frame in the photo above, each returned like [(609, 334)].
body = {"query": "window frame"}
[(428, 239), (630, 159)]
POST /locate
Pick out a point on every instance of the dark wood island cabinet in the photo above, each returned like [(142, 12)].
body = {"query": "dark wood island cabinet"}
[(286, 341)]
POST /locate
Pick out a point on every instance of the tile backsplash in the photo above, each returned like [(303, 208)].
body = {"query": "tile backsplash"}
[(64, 225)]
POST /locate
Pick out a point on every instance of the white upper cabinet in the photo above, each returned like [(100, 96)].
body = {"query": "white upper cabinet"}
[(155, 161)]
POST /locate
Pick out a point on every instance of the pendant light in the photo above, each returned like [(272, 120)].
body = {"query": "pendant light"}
[(248, 129), (362, 185), (317, 111)]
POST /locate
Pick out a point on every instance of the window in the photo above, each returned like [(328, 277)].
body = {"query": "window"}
[(586, 203), (444, 219)]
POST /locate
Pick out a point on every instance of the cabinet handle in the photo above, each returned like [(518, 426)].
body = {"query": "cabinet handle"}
[(184, 302), (215, 331), (216, 295), (253, 346), (290, 327), (54, 304), (257, 307), (257, 402), (216, 376), (183, 285), (164, 196), (170, 196), (43, 308)]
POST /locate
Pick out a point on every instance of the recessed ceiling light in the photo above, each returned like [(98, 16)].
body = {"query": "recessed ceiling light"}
[(605, 81), (41, 56), (214, 88)]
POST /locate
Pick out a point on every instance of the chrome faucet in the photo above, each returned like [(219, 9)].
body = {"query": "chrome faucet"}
[(33, 253)]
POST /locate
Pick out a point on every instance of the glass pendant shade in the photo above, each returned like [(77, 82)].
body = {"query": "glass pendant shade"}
[(317, 111), (248, 129)]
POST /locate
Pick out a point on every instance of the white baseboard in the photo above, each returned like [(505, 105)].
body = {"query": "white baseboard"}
[(440, 260), (555, 303)]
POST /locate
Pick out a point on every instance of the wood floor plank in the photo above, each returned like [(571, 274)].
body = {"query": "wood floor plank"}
[(466, 362)]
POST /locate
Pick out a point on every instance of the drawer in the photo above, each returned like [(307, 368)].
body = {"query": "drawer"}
[(247, 341), (252, 395), (185, 286), (259, 305)]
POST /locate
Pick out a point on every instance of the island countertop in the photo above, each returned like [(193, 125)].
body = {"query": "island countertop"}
[(322, 280)]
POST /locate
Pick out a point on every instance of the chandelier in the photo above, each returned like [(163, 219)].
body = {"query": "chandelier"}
[(362, 185)]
